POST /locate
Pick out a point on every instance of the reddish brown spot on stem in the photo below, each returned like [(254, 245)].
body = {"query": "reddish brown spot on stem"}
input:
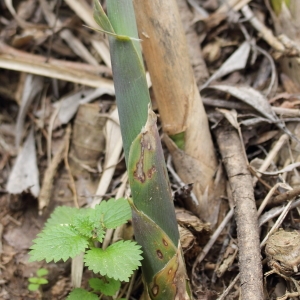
[(155, 290), (159, 254)]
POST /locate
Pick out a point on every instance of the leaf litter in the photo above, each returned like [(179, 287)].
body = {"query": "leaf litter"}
[(65, 65)]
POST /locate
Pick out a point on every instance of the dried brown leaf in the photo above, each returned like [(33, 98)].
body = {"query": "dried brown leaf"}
[(25, 174)]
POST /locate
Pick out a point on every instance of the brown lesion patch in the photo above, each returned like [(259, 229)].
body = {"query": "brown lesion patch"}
[(139, 173), (165, 242), (150, 172), (147, 143)]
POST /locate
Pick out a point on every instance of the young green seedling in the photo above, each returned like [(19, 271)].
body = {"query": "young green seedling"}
[(70, 231), (36, 282), (104, 285)]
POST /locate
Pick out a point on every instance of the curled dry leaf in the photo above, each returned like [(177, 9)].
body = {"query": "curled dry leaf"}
[(186, 219), (237, 61), (186, 238), (257, 100), (228, 259)]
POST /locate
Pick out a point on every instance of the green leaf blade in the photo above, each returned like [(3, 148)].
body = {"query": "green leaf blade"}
[(101, 18), (62, 215), (157, 247), (42, 272), (33, 280), (33, 287), (130, 84), (107, 286), (56, 243), (85, 223), (117, 261), (42, 281), (113, 212), (81, 294), (149, 181), (122, 17)]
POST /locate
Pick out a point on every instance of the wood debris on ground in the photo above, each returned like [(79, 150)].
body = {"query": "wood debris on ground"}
[(58, 148)]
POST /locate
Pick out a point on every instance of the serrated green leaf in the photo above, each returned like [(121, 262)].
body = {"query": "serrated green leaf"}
[(99, 234), (42, 272), (88, 223), (56, 243), (33, 287), (107, 286), (62, 215), (117, 261), (81, 294), (84, 224), (113, 212)]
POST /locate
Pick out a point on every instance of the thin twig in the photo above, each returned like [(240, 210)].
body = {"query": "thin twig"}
[(50, 129), (286, 196), (66, 160), (132, 280), (278, 222), (46, 190), (231, 285), (269, 159), (268, 197), (211, 241)]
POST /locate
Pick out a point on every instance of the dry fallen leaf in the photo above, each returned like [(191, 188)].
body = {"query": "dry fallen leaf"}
[(68, 105), (257, 100), (237, 61), (25, 174)]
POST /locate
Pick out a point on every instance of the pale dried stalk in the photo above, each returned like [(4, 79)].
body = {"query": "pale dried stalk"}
[(84, 11), (58, 72), (46, 190), (74, 43), (287, 23), (67, 166), (178, 98), (12, 53)]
